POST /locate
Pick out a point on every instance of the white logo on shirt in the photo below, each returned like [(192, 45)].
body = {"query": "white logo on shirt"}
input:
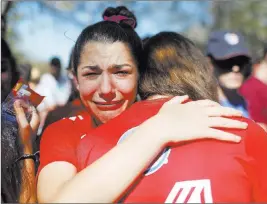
[(83, 136), (190, 192), (73, 118), (163, 159)]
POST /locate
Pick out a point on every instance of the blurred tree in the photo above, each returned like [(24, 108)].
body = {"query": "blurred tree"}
[(248, 17), (192, 18)]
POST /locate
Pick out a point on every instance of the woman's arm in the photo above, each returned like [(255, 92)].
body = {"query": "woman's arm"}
[(102, 182), (26, 133), (28, 186)]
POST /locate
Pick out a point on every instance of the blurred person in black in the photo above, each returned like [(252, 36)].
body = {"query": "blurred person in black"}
[(231, 62)]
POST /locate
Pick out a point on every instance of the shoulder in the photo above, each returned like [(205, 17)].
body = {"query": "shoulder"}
[(256, 137), (146, 106), (65, 127), (250, 83)]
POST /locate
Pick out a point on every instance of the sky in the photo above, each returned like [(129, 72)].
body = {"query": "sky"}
[(43, 36)]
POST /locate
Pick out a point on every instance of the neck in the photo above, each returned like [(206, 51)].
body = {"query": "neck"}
[(261, 73), (156, 97), (96, 122), (231, 95)]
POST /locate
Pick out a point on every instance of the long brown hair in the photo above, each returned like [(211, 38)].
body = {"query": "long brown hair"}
[(173, 65)]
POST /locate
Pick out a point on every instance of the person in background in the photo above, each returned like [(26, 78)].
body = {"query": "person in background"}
[(254, 90), (35, 78), (107, 62), (55, 86), (17, 164), (25, 72), (230, 61), (73, 107)]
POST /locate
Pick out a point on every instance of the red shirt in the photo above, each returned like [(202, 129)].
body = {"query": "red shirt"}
[(255, 93), (59, 140), (201, 171)]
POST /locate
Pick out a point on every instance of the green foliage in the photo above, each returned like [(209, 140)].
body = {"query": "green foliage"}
[(246, 16)]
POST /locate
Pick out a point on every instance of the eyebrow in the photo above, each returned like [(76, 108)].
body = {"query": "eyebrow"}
[(119, 66), (116, 66), (91, 67)]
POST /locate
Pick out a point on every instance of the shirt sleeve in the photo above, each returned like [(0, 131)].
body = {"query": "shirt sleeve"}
[(58, 143), (256, 149)]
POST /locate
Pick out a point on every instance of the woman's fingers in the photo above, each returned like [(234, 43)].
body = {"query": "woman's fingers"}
[(222, 135), (35, 120), (20, 114), (205, 102), (221, 122), (223, 111)]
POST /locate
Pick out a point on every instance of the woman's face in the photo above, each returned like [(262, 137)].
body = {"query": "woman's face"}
[(107, 78)]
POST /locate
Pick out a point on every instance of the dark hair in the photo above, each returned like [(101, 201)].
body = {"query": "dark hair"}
[(108, 31), (55, 61), (11, 148), (6, 53), (11, 175), (70, 64), (173, 65), (3, 26), (145, 39)]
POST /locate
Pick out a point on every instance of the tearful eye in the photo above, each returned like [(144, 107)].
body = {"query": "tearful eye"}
[(91, 74), (122, 73)]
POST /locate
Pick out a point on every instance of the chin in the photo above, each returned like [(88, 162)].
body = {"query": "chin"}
[(109, 115), (104, 116), (234, 86)]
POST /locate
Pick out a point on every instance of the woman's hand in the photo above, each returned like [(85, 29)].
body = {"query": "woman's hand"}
[(27, 130), (196, 120)]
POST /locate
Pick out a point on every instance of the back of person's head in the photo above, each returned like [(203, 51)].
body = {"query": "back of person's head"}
[(173, 65), (55, 62), (118, 26)]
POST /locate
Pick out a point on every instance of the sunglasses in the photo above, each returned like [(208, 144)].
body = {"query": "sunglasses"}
[(227, 65)]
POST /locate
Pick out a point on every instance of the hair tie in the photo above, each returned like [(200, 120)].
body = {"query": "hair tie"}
[(120, 18)]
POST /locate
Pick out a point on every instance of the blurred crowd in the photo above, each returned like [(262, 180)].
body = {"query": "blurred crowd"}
[(78, 100)]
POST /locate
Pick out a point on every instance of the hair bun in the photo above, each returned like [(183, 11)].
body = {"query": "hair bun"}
[(120, 14)]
